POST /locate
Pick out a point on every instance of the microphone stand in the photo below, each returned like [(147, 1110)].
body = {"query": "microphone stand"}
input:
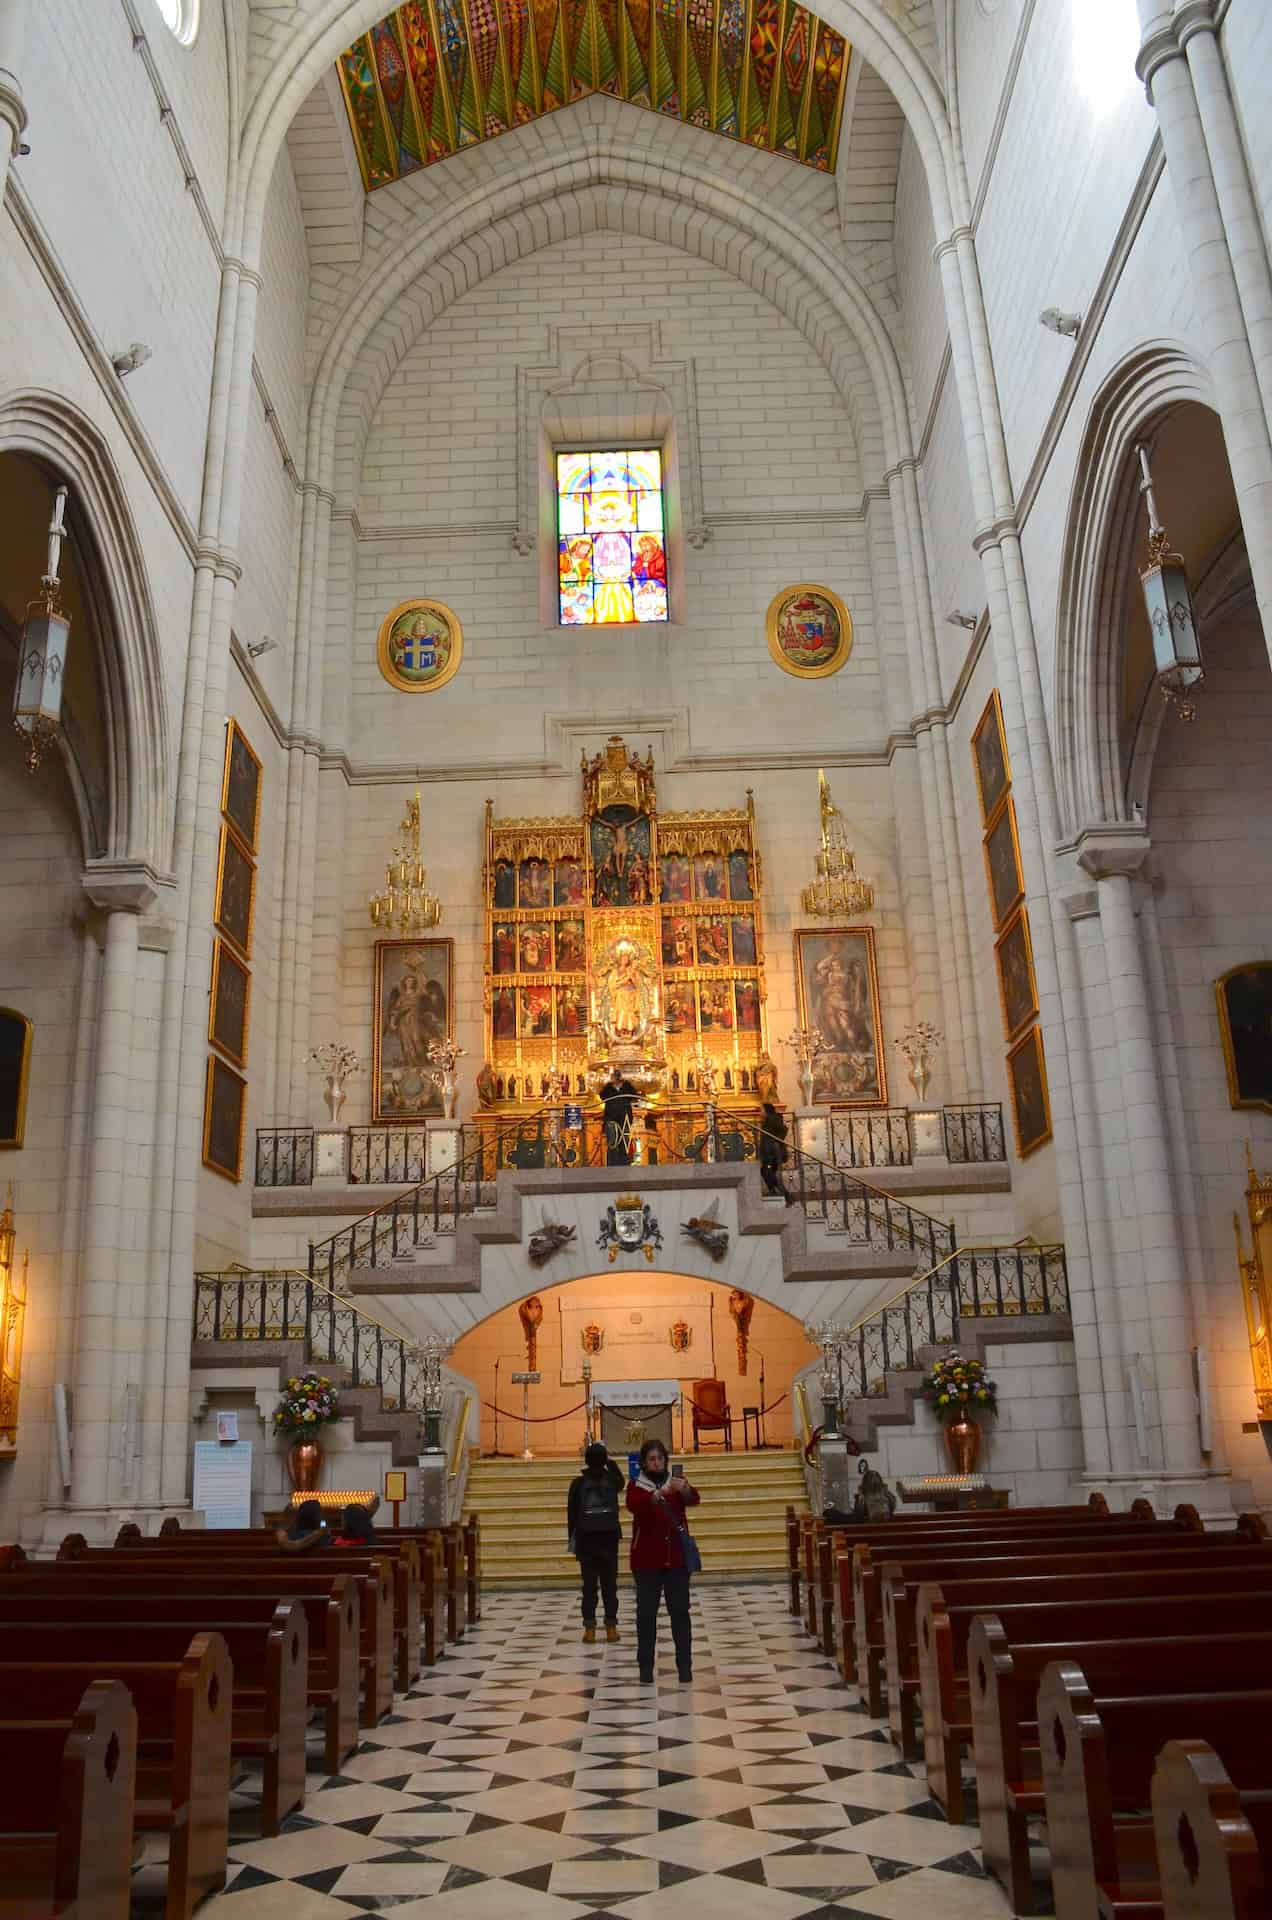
[(762, 1445), (494, 1453)]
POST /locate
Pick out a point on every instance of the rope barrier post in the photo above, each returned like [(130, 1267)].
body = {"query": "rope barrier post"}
[(525, 1381)]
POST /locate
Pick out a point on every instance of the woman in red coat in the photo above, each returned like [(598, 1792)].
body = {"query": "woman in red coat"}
[(657, 1503)]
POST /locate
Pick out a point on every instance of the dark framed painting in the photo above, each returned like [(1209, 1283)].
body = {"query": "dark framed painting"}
[(1243, 996), (224, 1111), (235, 892), (838, 992), (15, 1073), (241, 787), (412, 1009), (989, 753), (230, 1003), (1002, 864), (1030, 1101), (1017, 988)]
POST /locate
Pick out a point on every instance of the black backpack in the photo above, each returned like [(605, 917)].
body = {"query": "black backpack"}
[(598, 1504)]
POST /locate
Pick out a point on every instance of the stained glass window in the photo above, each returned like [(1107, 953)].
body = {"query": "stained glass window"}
[(611, 541)]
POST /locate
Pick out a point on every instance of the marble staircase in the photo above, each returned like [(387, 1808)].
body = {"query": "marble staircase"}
[(739, 1527)]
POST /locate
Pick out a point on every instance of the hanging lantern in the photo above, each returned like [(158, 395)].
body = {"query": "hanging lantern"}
[(46, 633), (1176, 647)]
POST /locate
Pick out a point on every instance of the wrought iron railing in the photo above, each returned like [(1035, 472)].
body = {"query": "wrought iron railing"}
[(284, 1156), (870, 1137), (281, 1303), (398, 1156), (974, 1133), (970, 1283), (388, 1156)]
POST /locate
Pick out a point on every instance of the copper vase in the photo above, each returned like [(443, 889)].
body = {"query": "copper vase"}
[(304, 1464), (963, 1439)]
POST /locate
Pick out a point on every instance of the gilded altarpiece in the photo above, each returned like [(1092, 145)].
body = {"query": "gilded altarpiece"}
[(624, 934)]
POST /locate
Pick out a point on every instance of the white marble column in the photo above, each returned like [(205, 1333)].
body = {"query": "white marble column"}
[(13, 113), (1194, 175), (1157, 1311), (121, 894)]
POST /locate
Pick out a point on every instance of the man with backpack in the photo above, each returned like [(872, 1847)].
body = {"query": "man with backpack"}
[(593, 1526)]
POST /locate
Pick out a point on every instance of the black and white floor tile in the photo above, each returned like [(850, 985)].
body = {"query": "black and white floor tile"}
[(530, 1777)]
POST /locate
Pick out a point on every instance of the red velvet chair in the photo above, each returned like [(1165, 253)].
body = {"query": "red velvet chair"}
[(711, 1411)]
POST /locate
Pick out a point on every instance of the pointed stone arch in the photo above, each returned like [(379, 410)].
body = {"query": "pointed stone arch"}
[(1096, 575), (49, 430)]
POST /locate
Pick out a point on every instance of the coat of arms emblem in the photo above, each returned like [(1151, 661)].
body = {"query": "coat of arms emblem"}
[(593, 1337), (681, 1336), (629, 1227)]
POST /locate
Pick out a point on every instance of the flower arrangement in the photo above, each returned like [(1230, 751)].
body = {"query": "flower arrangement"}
[(339, 1062), (309, 1401), (959, 1389)]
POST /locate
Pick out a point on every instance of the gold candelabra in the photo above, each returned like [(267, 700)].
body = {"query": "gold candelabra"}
[(405, 905), (837, 891)]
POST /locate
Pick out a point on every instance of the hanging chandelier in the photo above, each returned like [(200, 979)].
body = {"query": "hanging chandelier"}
[(838, 889), (405, 905)]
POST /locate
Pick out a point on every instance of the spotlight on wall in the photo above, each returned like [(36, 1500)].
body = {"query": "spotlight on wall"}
[(1056, 321), (264, 645), (128, 359), (957, 618)]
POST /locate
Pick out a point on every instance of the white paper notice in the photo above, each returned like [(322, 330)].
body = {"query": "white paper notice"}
[(223, 1482)]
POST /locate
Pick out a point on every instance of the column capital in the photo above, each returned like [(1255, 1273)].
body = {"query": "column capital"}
[(951, 242), (1113, 848), (120, 886)]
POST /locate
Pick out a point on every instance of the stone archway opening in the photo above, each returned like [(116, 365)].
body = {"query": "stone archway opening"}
[(635, 1314)]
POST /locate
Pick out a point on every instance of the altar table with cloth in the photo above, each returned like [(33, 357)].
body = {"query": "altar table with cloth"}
[(620, 1402)]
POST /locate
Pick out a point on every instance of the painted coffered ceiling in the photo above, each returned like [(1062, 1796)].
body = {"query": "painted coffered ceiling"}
[(438, 76)]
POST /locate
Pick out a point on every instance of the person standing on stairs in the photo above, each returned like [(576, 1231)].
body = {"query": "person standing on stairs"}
[(594, 1532), (661, 1551)]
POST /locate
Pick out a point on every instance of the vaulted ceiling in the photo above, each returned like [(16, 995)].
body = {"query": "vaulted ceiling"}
[(438, 76)]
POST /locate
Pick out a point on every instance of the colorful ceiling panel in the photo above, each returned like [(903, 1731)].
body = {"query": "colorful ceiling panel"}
[(438, 75)]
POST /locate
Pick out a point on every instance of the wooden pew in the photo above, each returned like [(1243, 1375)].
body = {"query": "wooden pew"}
[(792, 1559), (332, 1603), (183, 1749), (259, 1544), (66, 1830), (1098, 1755), (930, 1563), (831, 1540), (1006, 1677), (1214, 1843), (900, 1590), (472, 1566), (278, 1573), (1095, 1606), (959, 1530), (453, 1549), (270, 1666), (433, 1586)]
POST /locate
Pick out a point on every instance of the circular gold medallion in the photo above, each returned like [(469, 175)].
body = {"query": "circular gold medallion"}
[(420, 647), (809, 631)]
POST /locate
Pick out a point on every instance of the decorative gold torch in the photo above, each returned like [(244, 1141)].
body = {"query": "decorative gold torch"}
[(405, 905), (13, 1300), (837, 891)]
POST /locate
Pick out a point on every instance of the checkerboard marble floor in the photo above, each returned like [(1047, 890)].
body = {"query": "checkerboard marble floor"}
[(529, 1777)]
